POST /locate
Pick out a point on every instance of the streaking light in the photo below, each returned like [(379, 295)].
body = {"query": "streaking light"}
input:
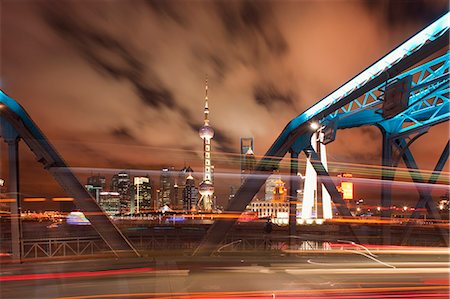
[(77, 218)]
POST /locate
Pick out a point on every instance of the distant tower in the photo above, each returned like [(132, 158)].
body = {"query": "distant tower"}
[(190, 194), (121, 183), (142, 195), (95, 185), (206, 187), (247, 157), (279, 192), (271, 183), (166, 187)]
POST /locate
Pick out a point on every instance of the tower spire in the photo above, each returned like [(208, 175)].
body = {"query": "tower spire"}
[(206, 110), (206, 187)]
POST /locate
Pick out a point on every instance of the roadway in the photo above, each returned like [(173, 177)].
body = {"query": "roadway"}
[(306, 275)]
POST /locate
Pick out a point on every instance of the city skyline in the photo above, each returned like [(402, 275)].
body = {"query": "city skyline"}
[(127, 112)]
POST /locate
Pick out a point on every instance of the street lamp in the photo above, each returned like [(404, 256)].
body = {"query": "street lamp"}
[(314, 125)]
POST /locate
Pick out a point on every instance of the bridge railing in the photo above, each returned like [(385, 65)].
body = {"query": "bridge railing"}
[(62, 247)]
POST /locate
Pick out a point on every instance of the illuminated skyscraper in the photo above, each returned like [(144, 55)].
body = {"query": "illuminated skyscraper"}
[(180, 182), (271, 183), (206, 187), (247, 157), (110, 202), (190, 194), (166, 187), (95, 185), (121, 183), (142, 195), (279, 192)]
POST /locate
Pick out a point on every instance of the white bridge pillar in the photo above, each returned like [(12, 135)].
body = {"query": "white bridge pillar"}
[(312, 200)]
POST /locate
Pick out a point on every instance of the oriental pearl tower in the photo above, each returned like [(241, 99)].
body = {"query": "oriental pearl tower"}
[(206, 187)]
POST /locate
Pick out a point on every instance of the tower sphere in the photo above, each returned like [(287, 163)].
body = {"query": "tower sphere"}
[(206, 132), (206, 188)]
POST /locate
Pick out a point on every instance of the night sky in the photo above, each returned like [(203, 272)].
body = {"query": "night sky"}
[(120, 84)]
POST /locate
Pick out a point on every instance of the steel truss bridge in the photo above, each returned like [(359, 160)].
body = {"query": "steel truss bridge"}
[(404, 94)]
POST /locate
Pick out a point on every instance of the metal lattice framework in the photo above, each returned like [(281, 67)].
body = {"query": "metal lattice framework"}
[(428, 102), (16, 125), (358, 103)]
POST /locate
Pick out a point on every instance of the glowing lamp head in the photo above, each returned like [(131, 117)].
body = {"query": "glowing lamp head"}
[(314, 125), (206, 188), (206, 132)]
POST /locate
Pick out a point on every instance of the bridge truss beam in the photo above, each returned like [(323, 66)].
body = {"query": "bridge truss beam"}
[(295, 134), (15, 116), (423, 187)]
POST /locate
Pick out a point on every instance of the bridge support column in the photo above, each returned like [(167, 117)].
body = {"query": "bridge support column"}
[(293, 187), (425, 200), (387, 175), (12, 139), (325, 179)]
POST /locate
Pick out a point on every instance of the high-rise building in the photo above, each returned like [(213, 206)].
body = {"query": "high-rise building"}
[(247, 157), (279, 192), (206, 187), (95, 185), (110, 202), (271, 183), (190, 194), (180, 182), (141, 195), (166, 187), (121, 183)]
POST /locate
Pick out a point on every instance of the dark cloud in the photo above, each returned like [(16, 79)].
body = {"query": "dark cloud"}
[(122, 133), (154, 96), (268, 96), (249, 20), (108, 55), (168, 9), (223, 142), (397, 12)]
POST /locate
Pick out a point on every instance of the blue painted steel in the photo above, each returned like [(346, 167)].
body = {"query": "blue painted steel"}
[(16, 116), (294, 136), (412, 46), (428, 103)]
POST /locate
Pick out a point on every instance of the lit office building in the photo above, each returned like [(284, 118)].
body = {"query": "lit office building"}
[(95, 185), (279, 192), (247, 157), (110, 202), (166, 187), (190, 194), (278, 212), (141, 195), (121, 183), (180, 182), (271, 183)]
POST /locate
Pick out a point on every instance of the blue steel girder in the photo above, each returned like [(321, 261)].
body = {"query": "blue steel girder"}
[(294, 136), (13, 114), (425, 200), (428, 103)]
